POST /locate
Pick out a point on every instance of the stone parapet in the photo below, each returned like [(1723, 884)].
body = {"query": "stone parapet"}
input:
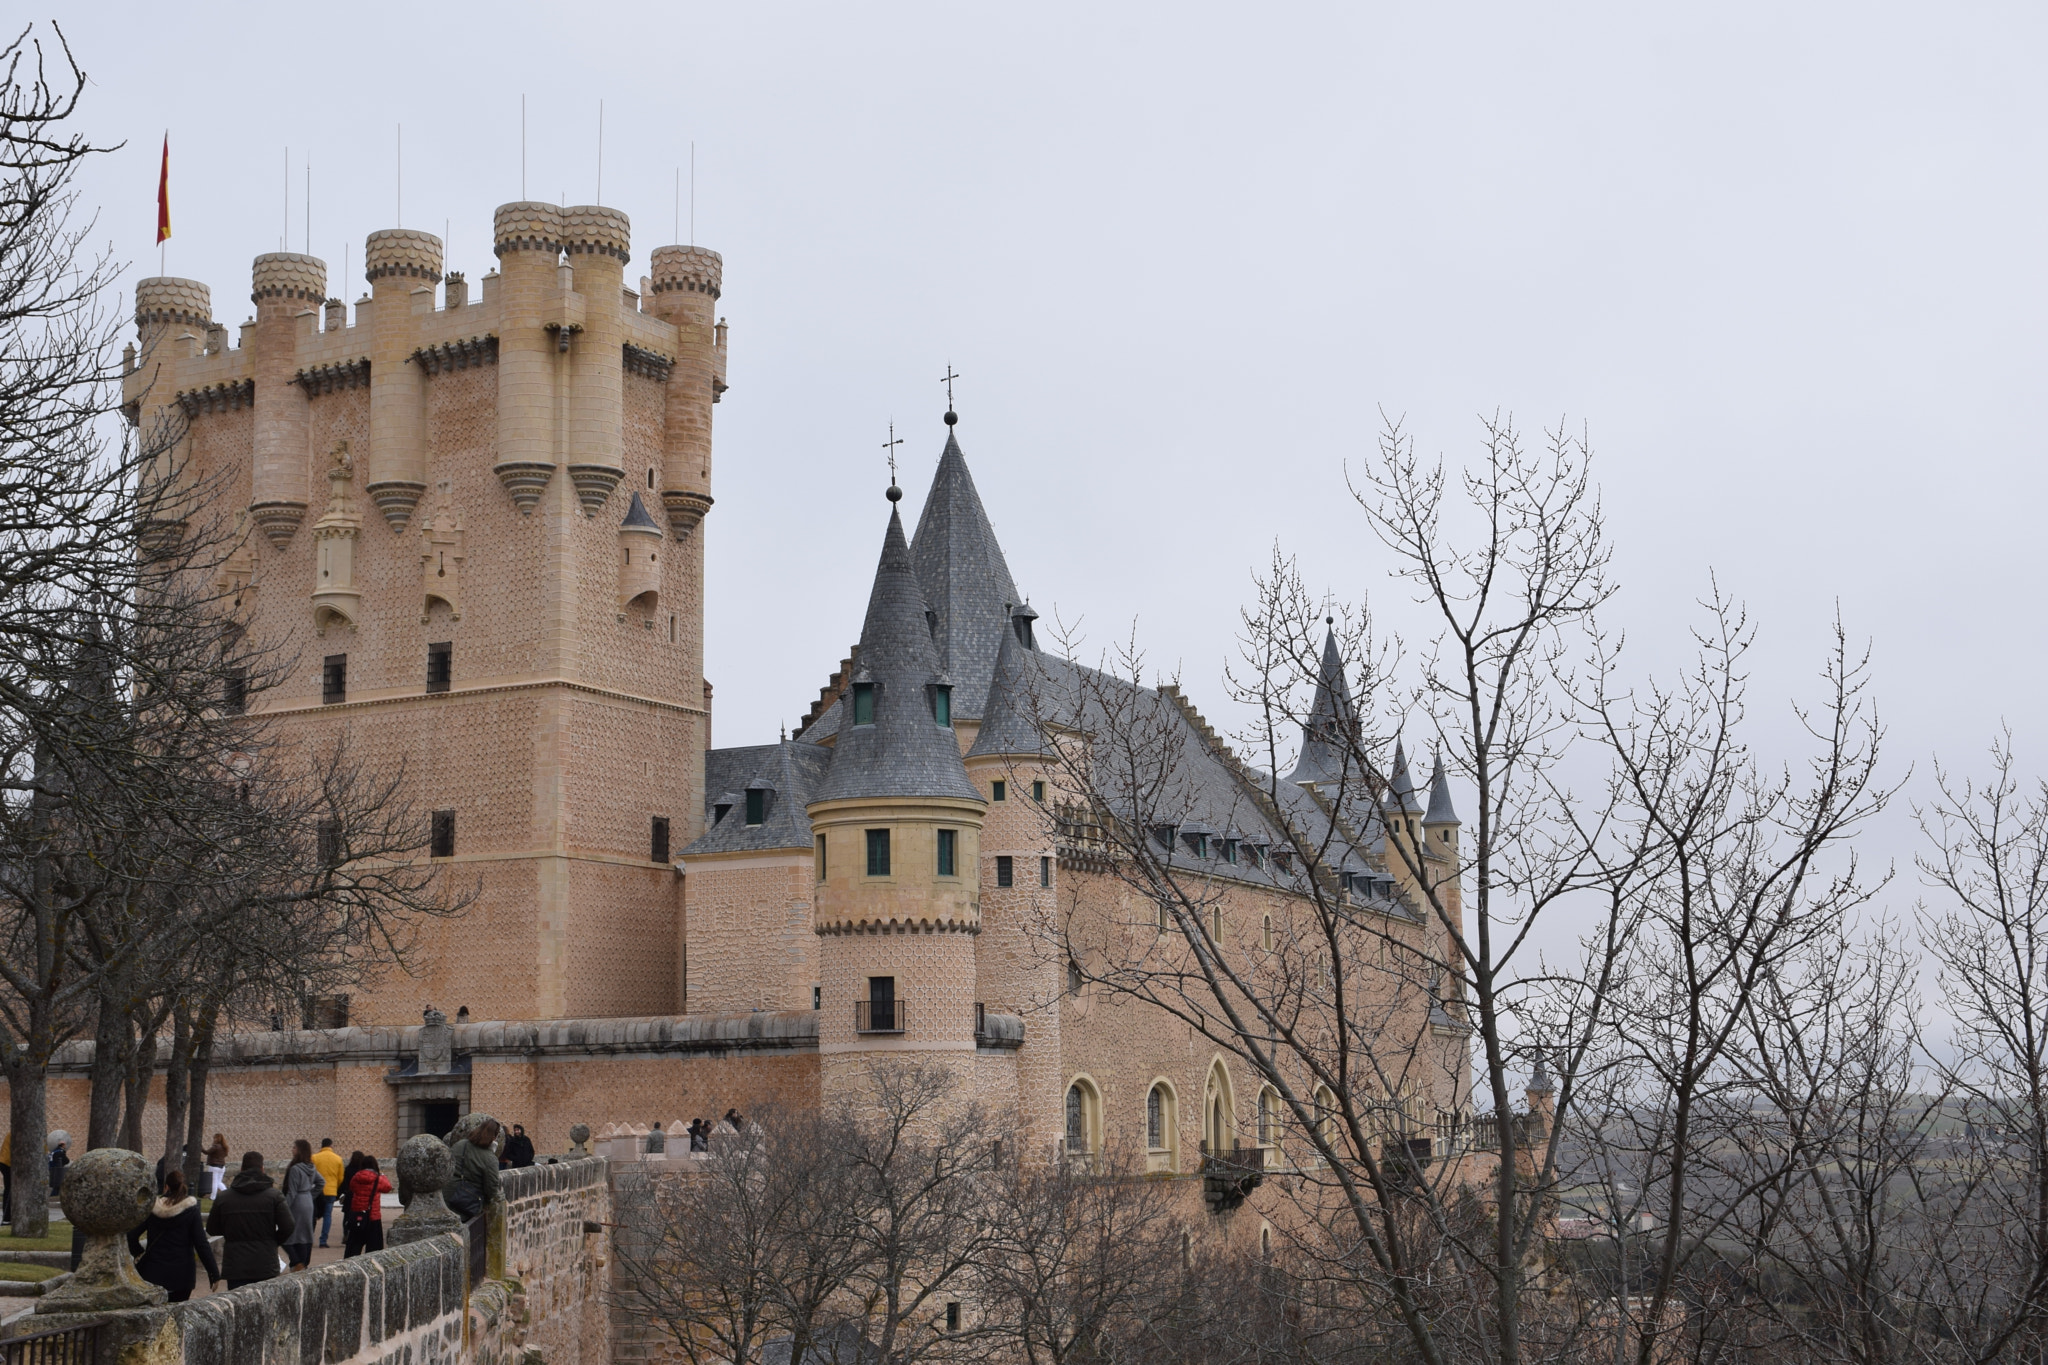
[(287, 275), (165, 299), (695, 269), (526, 225), (595, 229), (403, 253), (679, 1034)]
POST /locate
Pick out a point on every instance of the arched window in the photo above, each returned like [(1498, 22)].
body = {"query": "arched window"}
[(1269, 1117), (1326, 1117), (1266, 934), (1266, 1241), (1219, 1123), (1084, 1120), (1162, 1128)]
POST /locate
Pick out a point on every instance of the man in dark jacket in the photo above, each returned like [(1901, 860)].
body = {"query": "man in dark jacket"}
[(252, 1215), (518, 1148)]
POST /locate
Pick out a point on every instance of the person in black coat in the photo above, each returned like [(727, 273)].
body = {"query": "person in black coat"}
[(175, 1236), (518, 1149), (252, 1215)]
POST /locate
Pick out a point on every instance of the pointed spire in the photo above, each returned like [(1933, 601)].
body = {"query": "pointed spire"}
[(901, 750), (1329, 719), (966, 582), (1441, 812), (637, 518), (1401, 787), (1008, 724)]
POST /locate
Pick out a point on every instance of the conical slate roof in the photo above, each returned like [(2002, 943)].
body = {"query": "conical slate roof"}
[(904, 752), (1401, 791), (1441, 811), (967, 585), (1007, 720), (637, 518), (1322, 738)]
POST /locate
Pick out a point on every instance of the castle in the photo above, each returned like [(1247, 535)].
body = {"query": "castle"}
[(485, 517)]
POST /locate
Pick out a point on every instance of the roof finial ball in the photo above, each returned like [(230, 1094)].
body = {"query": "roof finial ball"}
[(952, 418), (894, 494)]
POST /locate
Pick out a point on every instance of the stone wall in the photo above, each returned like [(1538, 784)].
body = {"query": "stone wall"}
[(557, 1244), (402, 1306)]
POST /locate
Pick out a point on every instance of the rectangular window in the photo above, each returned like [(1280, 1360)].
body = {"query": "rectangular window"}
[(1038, 792), (1045, 872), (817, 997), (334, 679), (949, 843), (942, 705), (657, 843), (821, 857), (235, 692), (878, 853), (1005, 871), (880, 1008), (952, 1317), (443, 835), (329, 833), (440, 666), (757, 805), (863, 703), (999, 791)]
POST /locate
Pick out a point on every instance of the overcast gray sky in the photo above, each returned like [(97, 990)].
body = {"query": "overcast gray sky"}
[(1785, 261)]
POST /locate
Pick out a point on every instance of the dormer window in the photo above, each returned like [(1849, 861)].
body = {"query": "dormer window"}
[(1198, 844), (1230, 850), (720, 811), (942, 704), (1255, 855), (1164, 834), (863, 703), (757, 805)]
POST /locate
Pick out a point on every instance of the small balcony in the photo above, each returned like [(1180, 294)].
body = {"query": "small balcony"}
[(879, 1016), (1227, 1177)]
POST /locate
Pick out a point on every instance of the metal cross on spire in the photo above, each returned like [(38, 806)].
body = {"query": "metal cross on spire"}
[(947, 379), (890, 446)]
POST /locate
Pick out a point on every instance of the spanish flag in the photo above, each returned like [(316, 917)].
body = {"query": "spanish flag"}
[(163, 195)]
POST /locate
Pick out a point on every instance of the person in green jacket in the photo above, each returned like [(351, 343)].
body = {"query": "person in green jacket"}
[(475, 1182)]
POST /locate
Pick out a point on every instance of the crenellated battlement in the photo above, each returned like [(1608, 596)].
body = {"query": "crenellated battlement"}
[(165, 300), (695, 269), (589, 229), (526, 225)]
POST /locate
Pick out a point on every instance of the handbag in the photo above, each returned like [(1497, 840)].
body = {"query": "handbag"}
[(465, 1199)]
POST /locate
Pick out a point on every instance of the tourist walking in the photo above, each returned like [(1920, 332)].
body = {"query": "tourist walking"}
[(328, 1162), (302, 1180), (60, 1158), (252, 1215), (175, 1237), (216, 1165), (518, 1148), (362, 1220)]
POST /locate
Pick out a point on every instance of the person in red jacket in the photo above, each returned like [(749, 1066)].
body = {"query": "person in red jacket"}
[(364, 1187)]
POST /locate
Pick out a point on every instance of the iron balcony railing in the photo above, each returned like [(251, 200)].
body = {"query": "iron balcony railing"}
[(879, 1016)]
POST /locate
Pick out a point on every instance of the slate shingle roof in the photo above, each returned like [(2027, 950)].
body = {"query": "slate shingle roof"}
[(1441, 811), (1323, 751), (790, 771), (1007, 726), (637, 517), (967, 585), (905, 752)]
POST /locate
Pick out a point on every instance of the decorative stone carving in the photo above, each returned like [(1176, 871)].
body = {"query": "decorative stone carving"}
[(335, 596), (594, 485), (651, 364), (457, 355), (441, 555), (342, 374), (579, 1139), (406, 253), (106, 1192), (425, 1166), (226, 397), (685, 509), (289, 275), (694, 269), (525, 480), (396, 498), (278, 521), (167, 300), (437, 1044)]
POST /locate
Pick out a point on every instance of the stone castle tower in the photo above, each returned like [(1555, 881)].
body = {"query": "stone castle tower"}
[(476, 521)]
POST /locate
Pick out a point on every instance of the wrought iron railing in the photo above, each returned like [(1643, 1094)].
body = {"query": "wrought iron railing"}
[(879, 1016)]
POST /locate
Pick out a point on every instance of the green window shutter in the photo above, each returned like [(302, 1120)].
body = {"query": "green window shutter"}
[(863, 703), (948, 852), (878, 853)]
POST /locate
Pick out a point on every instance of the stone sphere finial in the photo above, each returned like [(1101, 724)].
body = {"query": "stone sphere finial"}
[(425, 1166), (579, 1139), (106, 1192)]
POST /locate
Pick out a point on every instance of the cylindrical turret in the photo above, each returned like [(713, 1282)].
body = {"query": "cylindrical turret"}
[(527, 237), (685, 289), (640, 558), (401, 265), (286, 284), (166, 310), (598, 241)]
